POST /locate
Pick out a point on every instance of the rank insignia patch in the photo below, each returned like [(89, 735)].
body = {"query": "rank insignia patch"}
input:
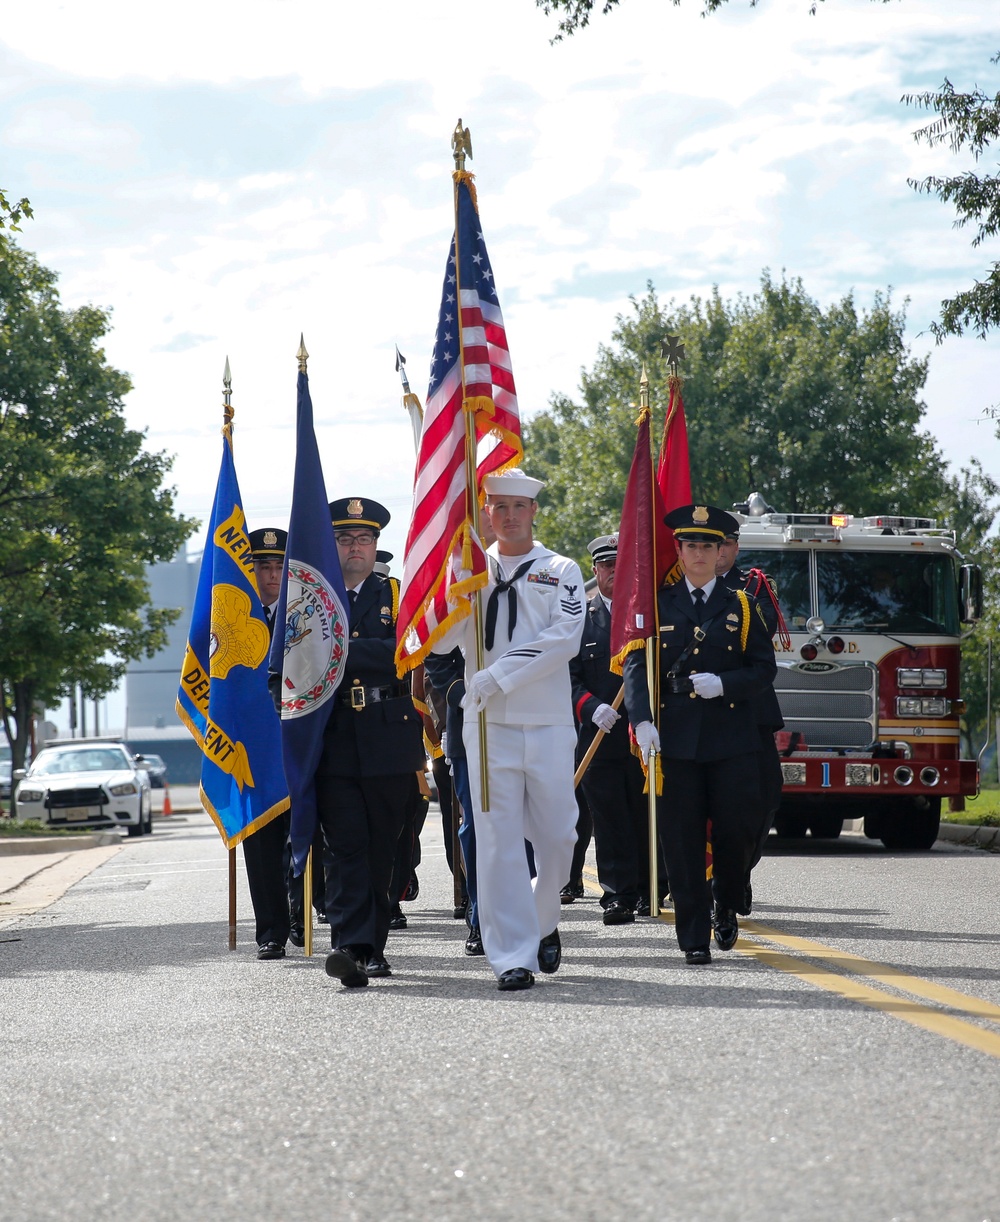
[(543, 578)]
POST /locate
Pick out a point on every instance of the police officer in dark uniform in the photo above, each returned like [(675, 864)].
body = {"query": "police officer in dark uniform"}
[(264, 851), (372, 749), (613, 783), (767, 711), (715, 657)]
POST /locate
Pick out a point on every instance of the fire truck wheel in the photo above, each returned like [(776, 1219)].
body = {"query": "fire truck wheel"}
[(913, 829), (791, 827), (826, 827)]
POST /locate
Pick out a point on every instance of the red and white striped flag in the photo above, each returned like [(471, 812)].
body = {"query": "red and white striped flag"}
[(444, 563)]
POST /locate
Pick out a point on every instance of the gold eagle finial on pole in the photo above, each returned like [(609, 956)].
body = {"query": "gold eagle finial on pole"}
[(461, 145)]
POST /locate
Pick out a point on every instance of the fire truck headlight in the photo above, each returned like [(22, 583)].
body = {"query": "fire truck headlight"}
[(936, 706), (809, 651), (909, 678), (835, 644), (935, 678), (909, 706)]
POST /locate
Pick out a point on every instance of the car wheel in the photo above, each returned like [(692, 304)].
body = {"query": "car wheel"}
[(149, 816)]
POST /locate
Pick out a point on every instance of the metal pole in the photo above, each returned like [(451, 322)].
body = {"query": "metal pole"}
[(232, 899), (227, 432), (307, 903), (654, 864)]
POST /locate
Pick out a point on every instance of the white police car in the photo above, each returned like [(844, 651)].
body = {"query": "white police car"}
[(86, 783)]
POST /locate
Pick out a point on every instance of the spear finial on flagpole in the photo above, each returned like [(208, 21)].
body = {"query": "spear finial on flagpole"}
[(227, 403), (644, 389), (411, 403), (302, 355)]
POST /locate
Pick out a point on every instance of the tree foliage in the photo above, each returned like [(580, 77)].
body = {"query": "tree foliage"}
[(82, 509), (575, 14), (967, 122), (11, 214), (817, 409)]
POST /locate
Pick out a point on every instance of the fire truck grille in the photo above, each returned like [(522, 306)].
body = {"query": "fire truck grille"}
[(830, 709)]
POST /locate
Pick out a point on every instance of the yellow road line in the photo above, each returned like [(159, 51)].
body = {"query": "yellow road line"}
[(884, 973), (833, 981)]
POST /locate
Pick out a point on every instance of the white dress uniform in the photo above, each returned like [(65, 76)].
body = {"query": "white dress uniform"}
[(530, 743)]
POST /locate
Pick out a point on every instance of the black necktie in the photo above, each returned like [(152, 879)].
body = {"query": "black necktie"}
[(269, 615), (352, 596), (493, 605), (699, 602)]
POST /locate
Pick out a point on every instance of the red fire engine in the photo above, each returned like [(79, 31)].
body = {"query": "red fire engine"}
[(869, 686)]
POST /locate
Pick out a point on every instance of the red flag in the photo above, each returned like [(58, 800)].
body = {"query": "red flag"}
[(633, 608), (673, 477), (444, 563)]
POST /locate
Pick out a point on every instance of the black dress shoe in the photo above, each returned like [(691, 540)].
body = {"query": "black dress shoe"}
[(461, 910), (515, 978), (550, 953), (698, 956), (270, 950), (571, 892), (747, 899), (322, 918), (398, 920), (378, 965), (297, 935), (412, 889), (642, 907), (619, 913), (727, 928), (474, 942), (345, 965)]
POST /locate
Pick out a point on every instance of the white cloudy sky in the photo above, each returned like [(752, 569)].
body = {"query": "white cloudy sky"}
[(226, 175)]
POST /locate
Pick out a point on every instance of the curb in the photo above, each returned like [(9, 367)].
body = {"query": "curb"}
[(17, 846), (968, 834)]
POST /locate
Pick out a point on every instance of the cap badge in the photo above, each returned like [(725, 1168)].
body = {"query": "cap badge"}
[(355, 508), (700, 514), (270, 538), (612, 540)]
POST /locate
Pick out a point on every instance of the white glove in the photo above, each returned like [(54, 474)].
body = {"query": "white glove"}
[(707, 686), (647, 738), (478, 690), (605, 717)]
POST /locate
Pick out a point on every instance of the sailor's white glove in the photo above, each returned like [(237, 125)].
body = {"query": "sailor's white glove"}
[(707, 686), (605, 717), (647, 738), (479, 689)]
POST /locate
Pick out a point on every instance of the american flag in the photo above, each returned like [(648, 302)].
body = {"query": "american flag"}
[(444, 563)]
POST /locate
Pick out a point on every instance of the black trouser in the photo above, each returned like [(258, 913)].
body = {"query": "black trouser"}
[(264, 853), (407, 857), (771, 781), (361, 819), (726, 792), (621, 830), (296, 883), (584, 832)]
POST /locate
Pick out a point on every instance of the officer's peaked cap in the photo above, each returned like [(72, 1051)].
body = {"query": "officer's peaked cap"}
[(705, 522), (268, 542), (358, 511), (604, 547)]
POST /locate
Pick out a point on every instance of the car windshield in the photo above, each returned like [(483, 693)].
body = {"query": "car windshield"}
[(790, 573), (879, 591), (80, 759)]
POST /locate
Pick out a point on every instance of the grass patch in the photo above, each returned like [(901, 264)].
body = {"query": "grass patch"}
[(983, 811), (31, 827)]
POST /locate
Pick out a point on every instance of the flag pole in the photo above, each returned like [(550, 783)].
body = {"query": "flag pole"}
[(411, 403), (227, 432), (307, 876), (461, 146), (652, 684)]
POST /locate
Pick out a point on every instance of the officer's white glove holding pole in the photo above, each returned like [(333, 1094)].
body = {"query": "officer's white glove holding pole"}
[(707, 686), (605, 717), (647, 738)]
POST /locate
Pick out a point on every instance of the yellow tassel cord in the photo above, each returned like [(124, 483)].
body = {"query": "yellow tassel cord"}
[(745, 621), (394, 582)]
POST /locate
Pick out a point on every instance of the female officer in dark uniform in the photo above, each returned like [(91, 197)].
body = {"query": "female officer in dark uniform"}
[(715, 656)]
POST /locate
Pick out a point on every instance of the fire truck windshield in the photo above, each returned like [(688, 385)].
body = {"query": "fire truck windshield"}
[(790, 573), (888, 592)]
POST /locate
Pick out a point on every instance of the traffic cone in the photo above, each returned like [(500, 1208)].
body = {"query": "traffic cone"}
[(167, 807)]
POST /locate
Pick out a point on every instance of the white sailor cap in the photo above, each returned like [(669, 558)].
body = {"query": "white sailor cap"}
[(512, 483)]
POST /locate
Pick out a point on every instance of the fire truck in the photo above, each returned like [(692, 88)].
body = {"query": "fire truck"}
[(868, 675)]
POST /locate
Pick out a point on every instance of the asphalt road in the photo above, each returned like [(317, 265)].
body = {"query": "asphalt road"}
[(148, 1072)]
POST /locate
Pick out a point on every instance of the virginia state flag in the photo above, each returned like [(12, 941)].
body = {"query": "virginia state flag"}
[(223, 698), (309, 649)]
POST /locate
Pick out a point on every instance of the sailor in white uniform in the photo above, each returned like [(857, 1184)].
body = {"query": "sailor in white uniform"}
[(533, 621)]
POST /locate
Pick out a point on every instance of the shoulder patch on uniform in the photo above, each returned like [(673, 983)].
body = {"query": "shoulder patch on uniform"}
[(570, 603)]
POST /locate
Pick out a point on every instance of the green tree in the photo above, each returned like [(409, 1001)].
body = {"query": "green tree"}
[(817, 409), (575, 14), (968, 122), (11, 214), (82, 509)]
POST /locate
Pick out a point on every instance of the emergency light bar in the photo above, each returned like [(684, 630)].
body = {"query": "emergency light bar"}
[(887, 523)]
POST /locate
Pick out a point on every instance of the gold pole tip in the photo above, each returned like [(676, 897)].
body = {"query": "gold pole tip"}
[(227, 377), (644, 379), (302, 355)]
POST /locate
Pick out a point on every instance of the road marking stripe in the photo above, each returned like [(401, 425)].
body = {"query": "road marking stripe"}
[(917, 1015), (884, 973)]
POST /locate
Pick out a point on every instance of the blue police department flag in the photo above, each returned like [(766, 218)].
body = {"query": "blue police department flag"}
[(310, 638), (223, 698)]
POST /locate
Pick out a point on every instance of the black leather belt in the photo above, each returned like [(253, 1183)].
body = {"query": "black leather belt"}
[(357, 697)]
